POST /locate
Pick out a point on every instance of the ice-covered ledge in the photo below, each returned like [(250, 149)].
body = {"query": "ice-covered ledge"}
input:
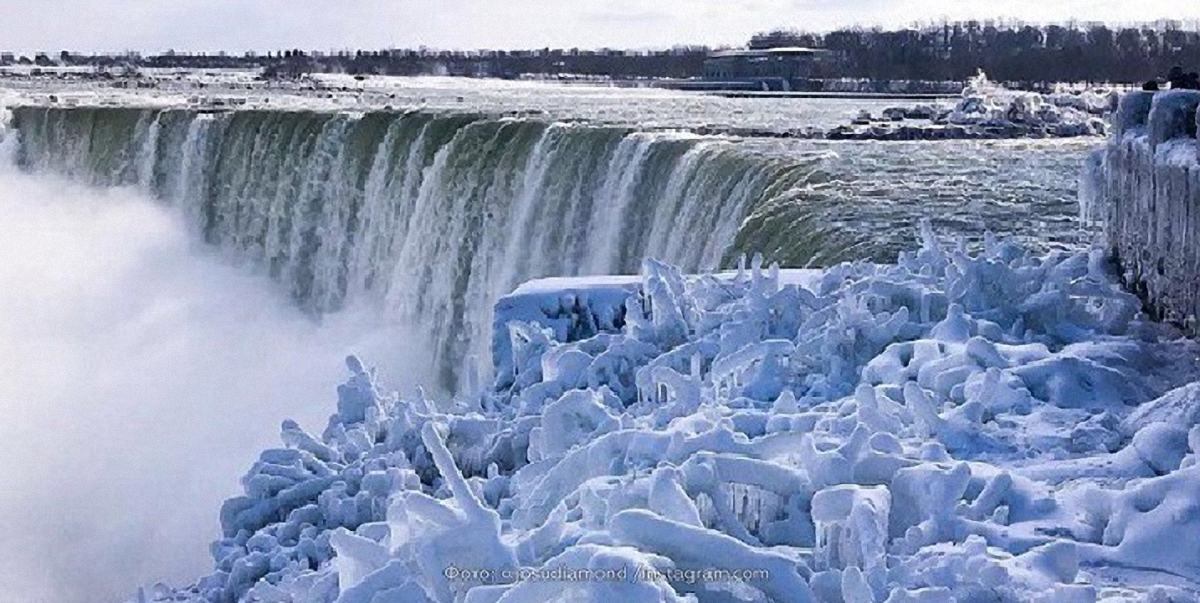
[(1143, 186), (575, 308)]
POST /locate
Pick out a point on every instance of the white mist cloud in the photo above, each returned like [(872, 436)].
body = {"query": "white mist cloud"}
[(139, 378)]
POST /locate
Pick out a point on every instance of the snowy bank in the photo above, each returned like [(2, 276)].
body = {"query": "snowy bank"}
[(1144, 186), (951, 428)]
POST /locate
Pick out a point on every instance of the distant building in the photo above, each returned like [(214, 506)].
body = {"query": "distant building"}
[(767, 68)]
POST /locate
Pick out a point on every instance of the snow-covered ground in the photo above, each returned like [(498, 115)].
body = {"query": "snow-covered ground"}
[(953, 427)]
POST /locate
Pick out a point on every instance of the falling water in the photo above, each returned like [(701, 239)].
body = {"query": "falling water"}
[(429, 215)]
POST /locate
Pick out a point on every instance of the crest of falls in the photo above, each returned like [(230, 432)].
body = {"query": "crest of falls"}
[(430, 216)]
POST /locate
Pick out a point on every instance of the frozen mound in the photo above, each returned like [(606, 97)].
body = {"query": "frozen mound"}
[(989, 111), (951, 428)]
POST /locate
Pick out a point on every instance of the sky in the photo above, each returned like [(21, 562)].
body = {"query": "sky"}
[(261, 25)]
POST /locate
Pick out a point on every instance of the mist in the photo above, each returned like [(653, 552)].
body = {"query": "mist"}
[(140, 374)]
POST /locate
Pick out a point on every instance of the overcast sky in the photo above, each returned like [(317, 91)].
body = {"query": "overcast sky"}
[(239, 25)]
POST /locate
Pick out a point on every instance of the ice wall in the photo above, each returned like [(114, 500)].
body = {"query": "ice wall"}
[(1143, 186)]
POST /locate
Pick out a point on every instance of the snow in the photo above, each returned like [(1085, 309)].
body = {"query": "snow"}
[(953, 427)]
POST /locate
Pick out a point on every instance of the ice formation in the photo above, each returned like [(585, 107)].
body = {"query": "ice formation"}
[(950, 428), (1141, 186), (987, 110)]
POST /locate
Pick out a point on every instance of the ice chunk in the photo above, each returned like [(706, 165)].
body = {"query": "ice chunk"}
[(852, 529), (356, 395), (1173, 115), (927, 494), (668, 498), (357, 557), (577, 417), (434, 536), (955, 327), (1133, 112), (1162, 446), (1180, 407), (782, 579)]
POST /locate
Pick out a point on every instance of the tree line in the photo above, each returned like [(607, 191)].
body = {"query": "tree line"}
[(680, 62), (1006, 51)]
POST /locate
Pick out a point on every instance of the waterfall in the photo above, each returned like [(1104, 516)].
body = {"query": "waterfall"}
[(430, 216)]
